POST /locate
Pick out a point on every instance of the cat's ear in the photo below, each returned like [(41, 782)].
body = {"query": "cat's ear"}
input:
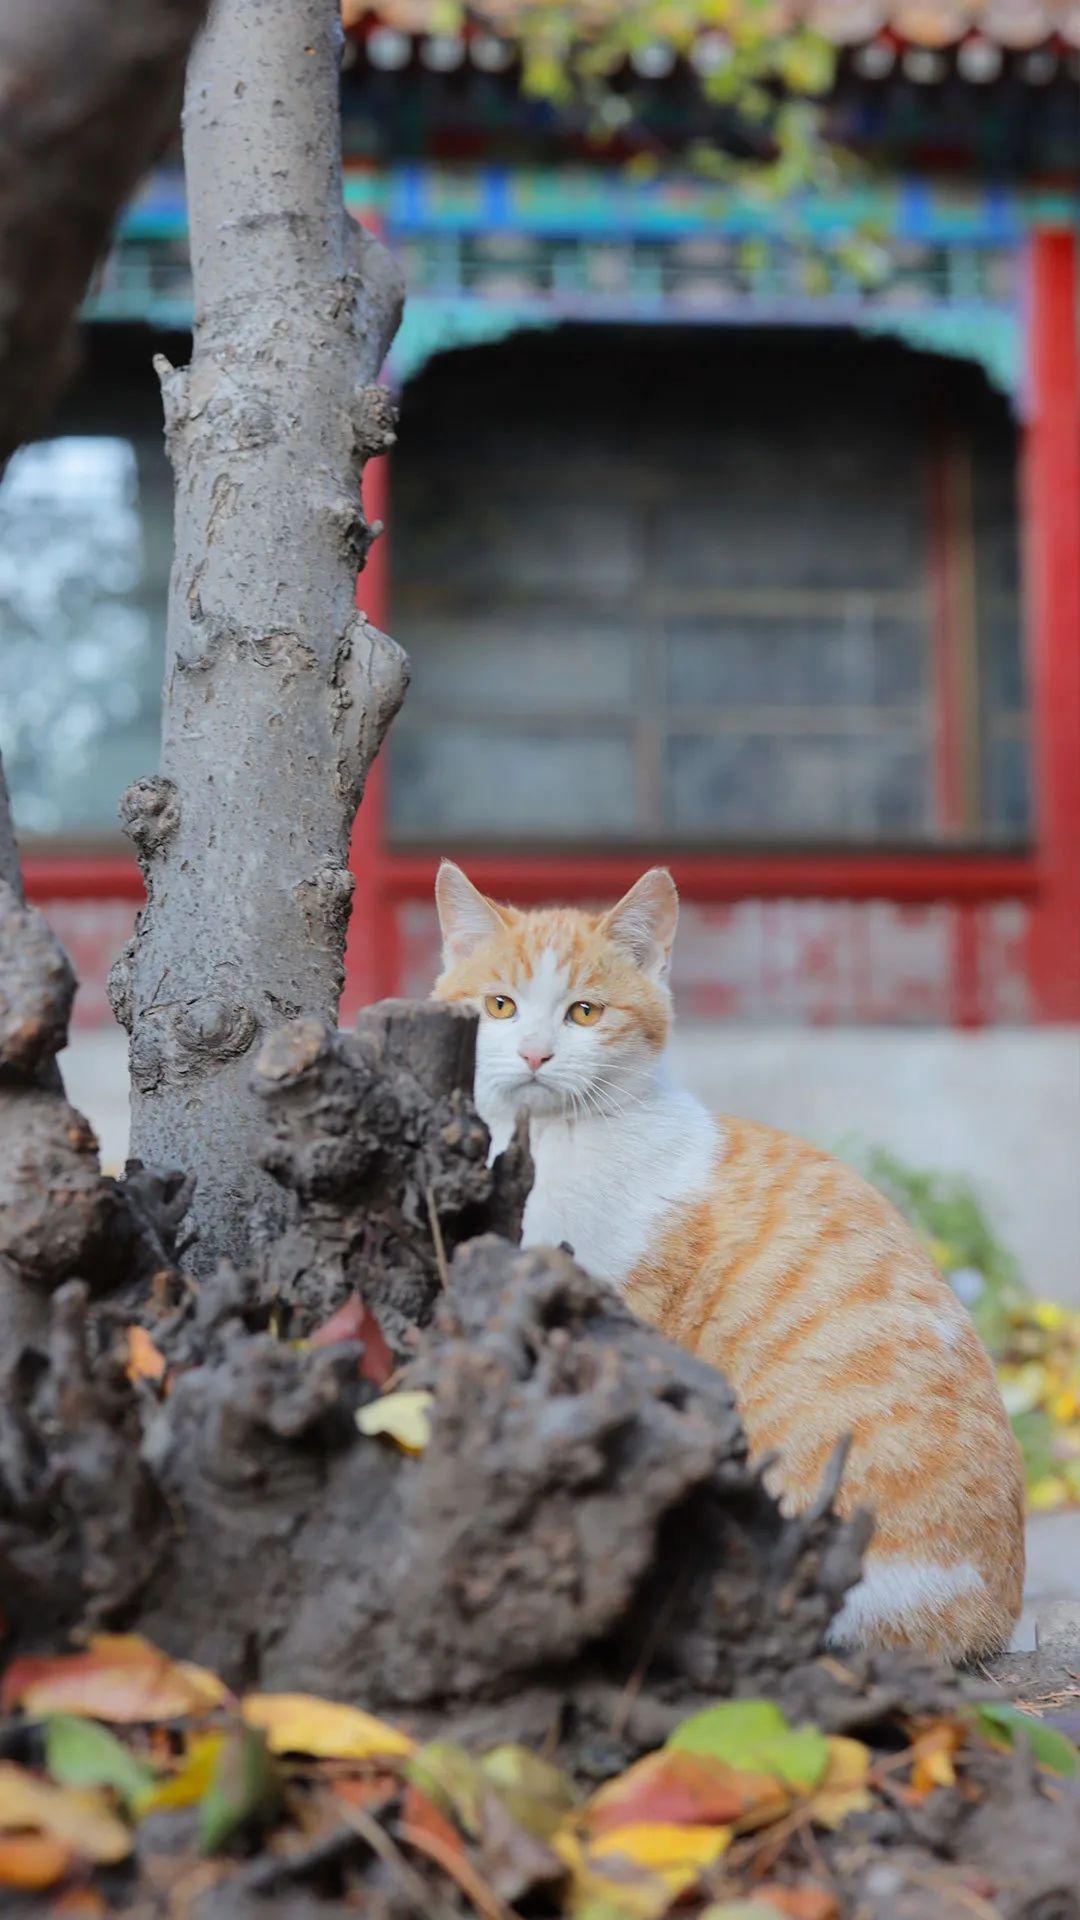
[(644, 921), (466, 917)]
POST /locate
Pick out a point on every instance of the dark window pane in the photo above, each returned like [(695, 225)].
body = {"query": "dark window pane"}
[(757, 786), (555, 664), (853, 657), (487, 786)]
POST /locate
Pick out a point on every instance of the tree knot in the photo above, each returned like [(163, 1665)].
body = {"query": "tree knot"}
[(149, 814), (215, 1028), (374, 418)]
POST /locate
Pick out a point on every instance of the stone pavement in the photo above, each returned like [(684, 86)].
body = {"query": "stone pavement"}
[(1053, 1570)]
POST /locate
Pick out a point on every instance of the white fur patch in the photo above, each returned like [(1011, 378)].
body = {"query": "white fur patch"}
[(900, 1594), (607, 1184), (616, 1145)]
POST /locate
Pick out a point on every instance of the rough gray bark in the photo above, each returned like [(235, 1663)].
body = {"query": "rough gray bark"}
[(59, 1217), (88, 89), (277, 691)]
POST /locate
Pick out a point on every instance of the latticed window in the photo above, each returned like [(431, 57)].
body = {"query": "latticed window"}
[(695, 588)]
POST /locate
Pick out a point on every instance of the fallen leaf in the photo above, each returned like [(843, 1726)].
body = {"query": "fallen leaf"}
[(303, 1723), (420, 1815), (371, 1790), (739, 1910), (80, 1753), (514, 1862), (536, 1794), (686, 1789), (79, 1819), (79, 1903), (932, 1757), (457, 1866), (453, 1779), (802, 1903), (754, 1735), (120, 1677), (404, 1417), (187, 1786), (607, 1890), (356, 1321), (32, 1861), (144, 1362), (843, 1789), (1000, 1723), (676, 1855), (245, 1787)]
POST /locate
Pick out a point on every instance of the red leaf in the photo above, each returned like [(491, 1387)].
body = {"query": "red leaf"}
[(121, 1678), (419, 1815), (355, 1321), (673, 1788), (808, 1902)]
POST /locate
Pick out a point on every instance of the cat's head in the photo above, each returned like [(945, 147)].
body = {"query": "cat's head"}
[(574, 1007)]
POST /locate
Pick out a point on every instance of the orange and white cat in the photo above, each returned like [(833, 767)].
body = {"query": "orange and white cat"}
[(766, 1257)]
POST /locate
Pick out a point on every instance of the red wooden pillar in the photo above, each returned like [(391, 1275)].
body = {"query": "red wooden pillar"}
[(1051, 505), (371, 957)]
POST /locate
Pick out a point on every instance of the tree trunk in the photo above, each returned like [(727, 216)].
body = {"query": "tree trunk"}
[(277, 692), (72, 74)]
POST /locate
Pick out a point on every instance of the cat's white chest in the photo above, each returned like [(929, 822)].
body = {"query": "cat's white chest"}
[(606, 1186)]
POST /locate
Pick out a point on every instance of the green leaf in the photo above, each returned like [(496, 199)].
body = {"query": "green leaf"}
[(81, 1753), (245, 1787), (1000, 1723), (538, 1796), (452, 1778), (755, 1736)]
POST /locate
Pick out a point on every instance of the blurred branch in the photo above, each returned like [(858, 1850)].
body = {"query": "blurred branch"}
[(10, 872), (88, 91)]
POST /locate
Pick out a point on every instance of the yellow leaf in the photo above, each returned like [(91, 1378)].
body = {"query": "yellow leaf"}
[(79, 1818), (843, 1789), (120, 1678), (933, 1752), (144, 1361), (302, 1723), (675, 1854), (185, 1788), (604, 1889), (404, 1417)]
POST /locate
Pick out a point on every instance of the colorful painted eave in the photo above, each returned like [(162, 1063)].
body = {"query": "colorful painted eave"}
[(604, 203), (1009, 24)]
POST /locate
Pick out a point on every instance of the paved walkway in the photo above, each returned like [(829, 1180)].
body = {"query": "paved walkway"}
[(1053, 1571)]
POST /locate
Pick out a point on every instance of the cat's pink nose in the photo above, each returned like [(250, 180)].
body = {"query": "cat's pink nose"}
[(533, 1058)]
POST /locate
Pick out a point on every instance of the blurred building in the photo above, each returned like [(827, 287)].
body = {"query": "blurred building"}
[(744, 535)]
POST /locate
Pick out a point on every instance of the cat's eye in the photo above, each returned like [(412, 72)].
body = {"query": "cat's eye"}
[(584, 1013), (499, 1005)]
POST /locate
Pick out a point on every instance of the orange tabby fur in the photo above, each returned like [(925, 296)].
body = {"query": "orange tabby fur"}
[(789, 1272)]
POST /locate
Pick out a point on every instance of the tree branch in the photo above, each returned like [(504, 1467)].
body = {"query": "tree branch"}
[(88, 90)]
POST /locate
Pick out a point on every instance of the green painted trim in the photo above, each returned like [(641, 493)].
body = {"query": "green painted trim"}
[(992, 339), (438, 326)]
